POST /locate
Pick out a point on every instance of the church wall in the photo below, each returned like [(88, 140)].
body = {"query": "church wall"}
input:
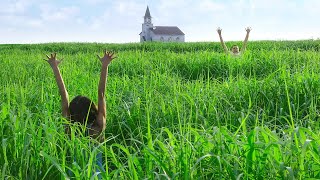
[(167, 38), (141, 38)]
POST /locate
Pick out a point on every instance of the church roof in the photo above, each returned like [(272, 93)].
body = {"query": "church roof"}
[(167, 30), (147, 13)]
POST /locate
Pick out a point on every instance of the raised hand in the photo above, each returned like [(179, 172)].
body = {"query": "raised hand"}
[(219, 30), (248, 29), (107, 58), (244, 46), (52, 60), (100, 124), (62, 89)]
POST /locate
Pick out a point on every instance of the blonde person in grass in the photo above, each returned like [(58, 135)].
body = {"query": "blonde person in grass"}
[(235, 51), (81, 109)]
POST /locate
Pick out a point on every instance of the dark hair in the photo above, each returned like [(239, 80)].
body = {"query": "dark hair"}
[(236, 46), (82, 107)]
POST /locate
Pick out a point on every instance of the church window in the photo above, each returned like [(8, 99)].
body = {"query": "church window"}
[(161, 39), (177, 39)]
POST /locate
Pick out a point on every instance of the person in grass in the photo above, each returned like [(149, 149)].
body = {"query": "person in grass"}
[(81, 109), (235, 51)]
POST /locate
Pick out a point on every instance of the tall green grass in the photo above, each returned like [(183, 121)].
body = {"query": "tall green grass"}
[(174, 111)]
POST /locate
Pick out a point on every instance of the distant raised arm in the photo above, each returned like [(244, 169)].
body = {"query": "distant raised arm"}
[(221, 40), (62, 89), (244, 46), (100, 124)]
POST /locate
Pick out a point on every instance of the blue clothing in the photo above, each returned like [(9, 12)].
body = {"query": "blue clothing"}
[(97, 165), (97, 161)]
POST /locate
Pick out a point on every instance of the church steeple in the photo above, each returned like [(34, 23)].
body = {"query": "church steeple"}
[(147, 26), (147, 14)]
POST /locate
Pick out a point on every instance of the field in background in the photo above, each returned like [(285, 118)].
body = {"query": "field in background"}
[(174, 111)]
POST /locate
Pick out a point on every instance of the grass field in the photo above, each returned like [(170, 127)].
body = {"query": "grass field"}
[(174, 111)]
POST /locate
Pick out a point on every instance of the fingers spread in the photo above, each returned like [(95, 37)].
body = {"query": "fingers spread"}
[(98, 56), (48, 57)]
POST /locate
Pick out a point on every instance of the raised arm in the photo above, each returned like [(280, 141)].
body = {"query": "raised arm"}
[(221, 40), (100, 123), (62, 89), (244, 45)]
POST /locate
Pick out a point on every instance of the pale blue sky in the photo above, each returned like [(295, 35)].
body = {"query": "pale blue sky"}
[(119, 21)]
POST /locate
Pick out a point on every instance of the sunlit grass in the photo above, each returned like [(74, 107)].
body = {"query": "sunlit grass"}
[(183, 111)]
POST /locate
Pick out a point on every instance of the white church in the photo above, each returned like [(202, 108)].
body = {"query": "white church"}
[(159, 33)]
